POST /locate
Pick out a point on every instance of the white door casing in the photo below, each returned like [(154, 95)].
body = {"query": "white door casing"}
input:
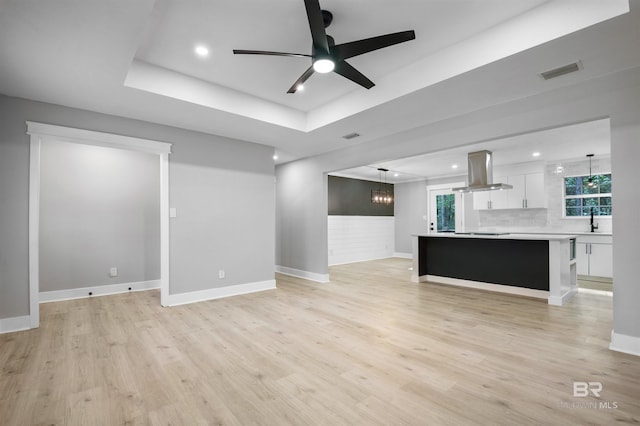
[(41, 133)]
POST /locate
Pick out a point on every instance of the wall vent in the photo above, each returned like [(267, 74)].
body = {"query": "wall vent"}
[(557, 72), (351, 135)]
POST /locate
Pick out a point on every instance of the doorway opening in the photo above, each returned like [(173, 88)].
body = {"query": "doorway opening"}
[(445, 207), (43, 133)]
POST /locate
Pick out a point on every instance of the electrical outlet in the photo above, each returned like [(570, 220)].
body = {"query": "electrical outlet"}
[(221, 273), (113, 272)]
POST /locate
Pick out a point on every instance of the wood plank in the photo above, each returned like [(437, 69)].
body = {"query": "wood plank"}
[(370, 347)]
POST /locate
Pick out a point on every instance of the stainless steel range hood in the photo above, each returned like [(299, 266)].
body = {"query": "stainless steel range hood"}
[(480, 173)]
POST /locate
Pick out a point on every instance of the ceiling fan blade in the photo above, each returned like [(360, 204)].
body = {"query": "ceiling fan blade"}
[(347, 71), (301, 80), (355, 48), (316, 24), (264, 52)]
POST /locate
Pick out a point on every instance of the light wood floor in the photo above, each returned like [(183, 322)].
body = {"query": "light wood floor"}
[(368, 348)]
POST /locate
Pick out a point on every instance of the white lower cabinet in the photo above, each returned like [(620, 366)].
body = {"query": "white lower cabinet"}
[(594, 256)]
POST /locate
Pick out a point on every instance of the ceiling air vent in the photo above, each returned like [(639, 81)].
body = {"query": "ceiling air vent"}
[(351, 135), (547, 75)]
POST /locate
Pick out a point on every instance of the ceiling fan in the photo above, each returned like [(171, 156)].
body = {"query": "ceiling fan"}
[(326, 56)]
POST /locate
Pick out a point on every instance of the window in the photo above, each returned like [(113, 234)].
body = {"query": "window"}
[(580, 199), (446, 213)]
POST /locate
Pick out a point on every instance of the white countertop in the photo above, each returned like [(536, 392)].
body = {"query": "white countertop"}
[(604, 234), (511, 236)]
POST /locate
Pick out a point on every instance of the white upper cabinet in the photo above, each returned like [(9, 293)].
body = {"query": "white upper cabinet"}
[(518, 194), (499, 198), (527, 192), (535, 195), (484, 200)]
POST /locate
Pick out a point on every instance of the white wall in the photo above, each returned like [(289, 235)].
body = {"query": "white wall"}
[(99, 208), (359, 238)]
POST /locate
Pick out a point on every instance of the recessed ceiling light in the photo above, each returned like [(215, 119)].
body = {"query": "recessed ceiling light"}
[(536, 154), (396, 175), (454, 166), (275, 157), (202, 51)]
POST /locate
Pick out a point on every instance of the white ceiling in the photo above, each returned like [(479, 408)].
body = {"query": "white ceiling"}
[(282, 26), (554, 146), (135, 59)]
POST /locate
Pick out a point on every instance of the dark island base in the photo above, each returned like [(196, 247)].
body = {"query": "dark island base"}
[(519, 263)]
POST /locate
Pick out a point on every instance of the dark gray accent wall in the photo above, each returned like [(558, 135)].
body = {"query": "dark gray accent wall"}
[(352, 197)]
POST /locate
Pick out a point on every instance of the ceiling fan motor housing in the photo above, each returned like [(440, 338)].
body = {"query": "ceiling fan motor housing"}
[(327, 18)]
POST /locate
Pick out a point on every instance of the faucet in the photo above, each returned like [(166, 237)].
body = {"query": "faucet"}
[(594, 226)]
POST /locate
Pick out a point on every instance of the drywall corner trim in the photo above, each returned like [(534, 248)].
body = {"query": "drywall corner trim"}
[(312, 276), (403, 255), (99, 290), (9, 325), (624, 343), (218, 293)]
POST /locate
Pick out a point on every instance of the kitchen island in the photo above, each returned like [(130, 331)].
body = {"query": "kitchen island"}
[(539, 265)]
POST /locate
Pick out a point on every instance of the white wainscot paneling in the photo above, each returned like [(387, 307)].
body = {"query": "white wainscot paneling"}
[(360, 238)]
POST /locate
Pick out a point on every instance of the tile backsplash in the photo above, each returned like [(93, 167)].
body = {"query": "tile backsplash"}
[(551, 218)]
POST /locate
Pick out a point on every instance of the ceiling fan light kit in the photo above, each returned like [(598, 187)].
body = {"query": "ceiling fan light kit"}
[(323, 66), (326, 56)]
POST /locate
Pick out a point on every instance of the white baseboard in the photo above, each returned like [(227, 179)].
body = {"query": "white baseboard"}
[(624, 343), (9, 325), (217, 293), (561, 300), (99, 290), (521, 291), (368, 259), (403, 255), (312, 276)]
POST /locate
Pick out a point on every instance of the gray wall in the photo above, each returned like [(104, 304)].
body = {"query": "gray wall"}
[(14, 213), (223, 190), (625, 154), (224, 193), (99, 207), (410, 208), (302, 184)]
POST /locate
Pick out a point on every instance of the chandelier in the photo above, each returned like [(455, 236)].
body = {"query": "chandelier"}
[(382, 195)]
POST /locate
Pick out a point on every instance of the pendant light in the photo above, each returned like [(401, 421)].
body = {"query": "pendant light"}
[(591, 182), (382, 195)]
